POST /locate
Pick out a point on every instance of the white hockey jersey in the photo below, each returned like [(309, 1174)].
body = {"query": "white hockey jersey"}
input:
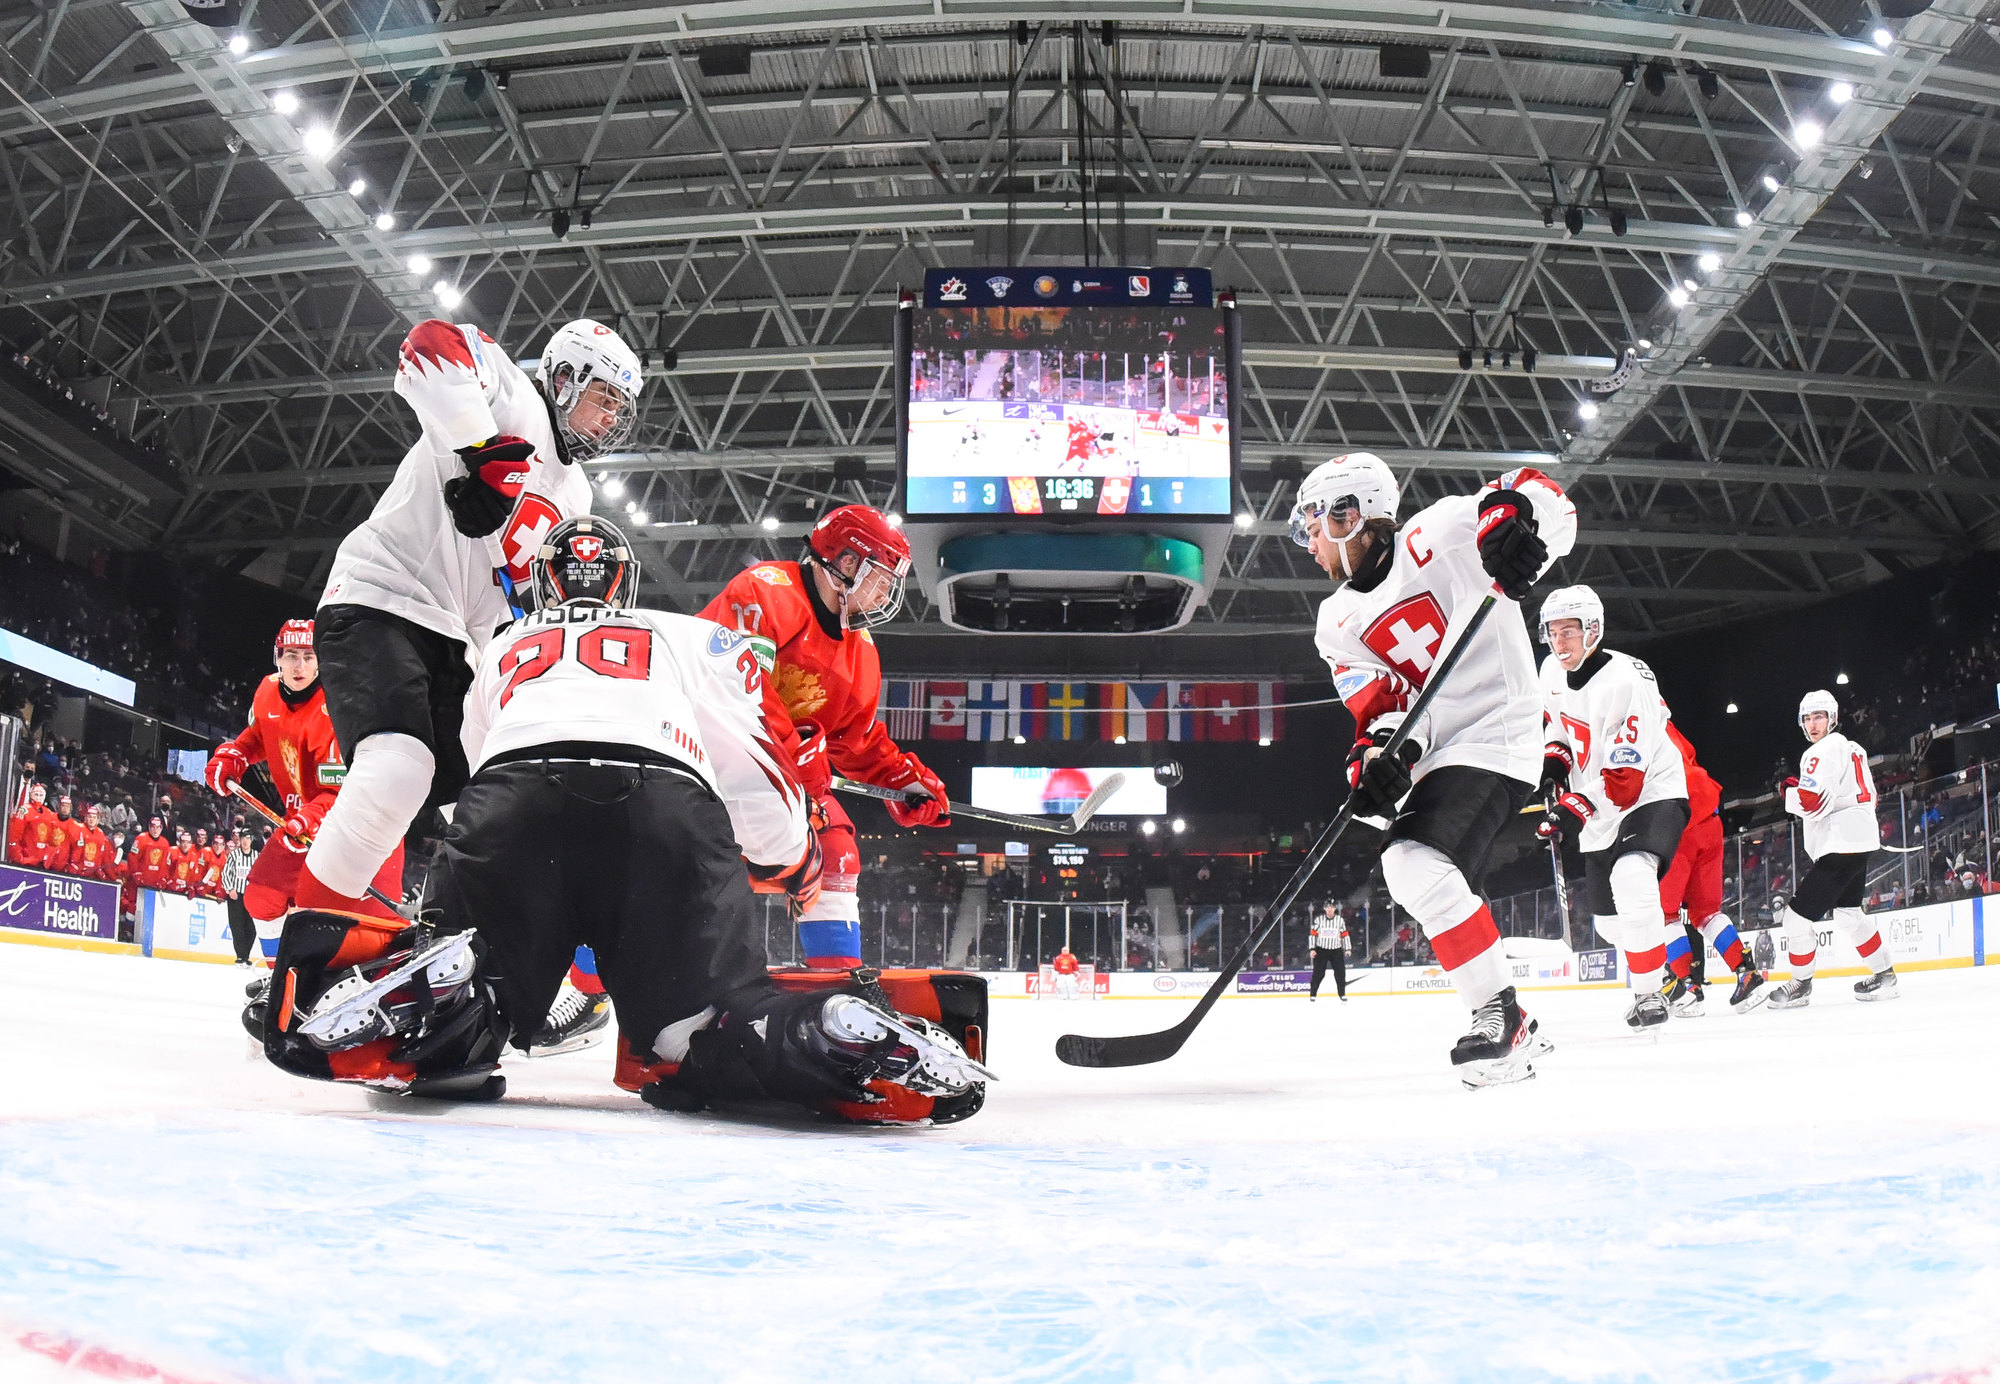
[(1611, 716), (1835, 799), (1382, 644), (406, 558), (671, 684)]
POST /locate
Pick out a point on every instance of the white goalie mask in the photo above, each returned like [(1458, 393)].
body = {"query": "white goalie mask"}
[(1578, 603), (1819, 700), (1349, 491), (588, 364)]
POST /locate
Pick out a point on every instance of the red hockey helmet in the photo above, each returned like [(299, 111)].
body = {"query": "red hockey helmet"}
[(882, 561), (294, 634), (587, 558)]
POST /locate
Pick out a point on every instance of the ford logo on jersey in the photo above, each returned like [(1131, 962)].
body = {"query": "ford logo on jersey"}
[(723, 640)]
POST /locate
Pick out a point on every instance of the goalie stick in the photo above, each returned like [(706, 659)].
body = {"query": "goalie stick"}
[(1065, 826), (264, 810), (1138, 1049)]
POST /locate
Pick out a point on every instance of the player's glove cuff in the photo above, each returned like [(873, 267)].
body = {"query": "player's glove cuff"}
[(1510, 550)]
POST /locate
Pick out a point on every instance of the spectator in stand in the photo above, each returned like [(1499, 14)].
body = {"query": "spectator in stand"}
[(124, 818), (91, 854), (32, 830), (236, 865)]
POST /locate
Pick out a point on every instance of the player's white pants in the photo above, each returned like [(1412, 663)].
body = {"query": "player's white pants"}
[(387, 781), (1639, 927), (1802, 940), (1460, 927)]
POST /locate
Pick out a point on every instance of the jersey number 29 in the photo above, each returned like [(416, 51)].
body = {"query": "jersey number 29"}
[(612, 651)]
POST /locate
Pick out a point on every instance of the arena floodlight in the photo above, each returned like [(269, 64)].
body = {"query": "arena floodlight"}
[(1244, 521), (285, 102), (1573, 220), (420, 264), (1180, 825), (385, 221), (559, 222), (357, 187), (1744, 216), (1882, 38), (1710, 262), (1586, 410), (1840, 93), (1730, 710), (1808, 133), (1656, 78), (239, 44), (770, 523), (319, 142), (1679, 296), (1148, 827)]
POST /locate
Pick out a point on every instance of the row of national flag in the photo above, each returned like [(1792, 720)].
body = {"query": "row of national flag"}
[(916, 709)]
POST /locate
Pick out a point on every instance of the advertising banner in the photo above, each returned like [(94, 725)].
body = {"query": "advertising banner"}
[(57, 904), (183, 929)]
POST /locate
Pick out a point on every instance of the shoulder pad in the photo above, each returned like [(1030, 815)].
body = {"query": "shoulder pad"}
[(771, 575)]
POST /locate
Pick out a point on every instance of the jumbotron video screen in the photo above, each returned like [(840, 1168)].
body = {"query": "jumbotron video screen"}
[(1069, 411)]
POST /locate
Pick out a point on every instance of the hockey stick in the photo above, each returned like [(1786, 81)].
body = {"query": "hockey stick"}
[(1138, 1049), (1062, 826), (264, 810)]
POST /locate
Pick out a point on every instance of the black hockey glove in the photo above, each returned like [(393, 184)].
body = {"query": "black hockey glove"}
[(481, 500), (1563, 816), (1509, 548), (1557, 761), (1378, 782)]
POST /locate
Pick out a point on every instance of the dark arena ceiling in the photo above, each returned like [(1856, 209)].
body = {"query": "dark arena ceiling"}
[(218, 248)]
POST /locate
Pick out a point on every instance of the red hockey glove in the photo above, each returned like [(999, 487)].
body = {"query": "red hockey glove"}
[(1509, 548), (226, 768), (1378, 782), (1564, 815), (815, 770), (304, 822), (934, 811), (481, 500)]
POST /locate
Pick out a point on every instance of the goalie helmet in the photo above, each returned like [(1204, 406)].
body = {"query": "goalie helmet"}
[(1359, 483), (586, 559), (881, 553), (582, 354), (1820, 700), (1577, 603)]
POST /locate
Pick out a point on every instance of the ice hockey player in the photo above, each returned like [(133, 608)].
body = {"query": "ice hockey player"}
[(91, 854), (1833, 795), (811, 619), (623, 778), (290, 732), (1066, 969), (1691, 889), (31, 831), (417, 590), (1403, 595)]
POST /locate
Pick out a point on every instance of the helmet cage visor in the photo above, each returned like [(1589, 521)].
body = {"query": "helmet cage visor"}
[(870, 574), (574, 388), (1320, 515), (1593, 631)]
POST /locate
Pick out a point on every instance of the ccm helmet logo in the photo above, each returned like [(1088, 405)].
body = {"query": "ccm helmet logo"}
[(586, 547)]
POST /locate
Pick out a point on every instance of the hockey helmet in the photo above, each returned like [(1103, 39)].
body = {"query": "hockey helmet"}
[(586, 559), (1819, 700), (293, 634), (1578, 603), (1358, 484), (878, 547), (581, 355)]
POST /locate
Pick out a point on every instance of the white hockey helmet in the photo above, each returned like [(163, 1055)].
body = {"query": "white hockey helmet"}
[(1359, 483), (583, 353), (1820, 700), (1575, 603)]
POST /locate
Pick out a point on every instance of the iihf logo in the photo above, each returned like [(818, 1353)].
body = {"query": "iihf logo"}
[(586, 547)]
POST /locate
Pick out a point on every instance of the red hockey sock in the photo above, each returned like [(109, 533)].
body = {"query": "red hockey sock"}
[(310, 892), (586, 981), (1681, 964)]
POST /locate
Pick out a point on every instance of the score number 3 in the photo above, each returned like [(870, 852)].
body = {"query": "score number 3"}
[(612, 651)]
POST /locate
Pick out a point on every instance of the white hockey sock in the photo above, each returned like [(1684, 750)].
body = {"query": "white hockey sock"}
[(385, 787), (1801, 944), (1459, 925), (1635, 891), (1867, 940)]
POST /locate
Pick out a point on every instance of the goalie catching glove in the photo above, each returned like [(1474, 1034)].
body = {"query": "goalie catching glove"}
[(1510, 549), (1379, 782), (481, 500), (933, 811)]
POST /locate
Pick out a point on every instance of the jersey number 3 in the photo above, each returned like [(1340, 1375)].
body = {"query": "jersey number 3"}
[(612, 651)]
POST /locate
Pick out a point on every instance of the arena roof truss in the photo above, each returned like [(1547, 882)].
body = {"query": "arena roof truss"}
[(225, 249)]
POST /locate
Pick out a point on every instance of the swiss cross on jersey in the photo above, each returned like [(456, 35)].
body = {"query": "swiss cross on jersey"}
[(530, 523), (1407, 636)]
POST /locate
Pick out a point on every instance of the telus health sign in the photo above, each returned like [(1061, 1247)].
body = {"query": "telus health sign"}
[(58, 904)]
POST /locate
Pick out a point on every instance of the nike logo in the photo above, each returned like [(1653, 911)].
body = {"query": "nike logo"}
[(270, 715)]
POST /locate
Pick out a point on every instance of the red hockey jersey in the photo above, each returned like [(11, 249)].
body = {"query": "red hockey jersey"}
[(296, 741), (31, 836)]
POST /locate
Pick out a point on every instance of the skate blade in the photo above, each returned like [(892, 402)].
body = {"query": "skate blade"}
[(950, 1065), (1505, 1071), (576, 1042), (1875, 997), (1756, 999), (328, 1028)]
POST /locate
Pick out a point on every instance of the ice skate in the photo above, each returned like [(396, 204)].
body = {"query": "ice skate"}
[(1793, 994), (576, 1020), (1501, 1045), (1683, 999), (359, 1008), (1880, 986), (1751, 990), (1647, 1011), (902, 1049)]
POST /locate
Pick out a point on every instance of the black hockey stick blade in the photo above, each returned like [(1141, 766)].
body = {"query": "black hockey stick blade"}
[(1140, 1049)]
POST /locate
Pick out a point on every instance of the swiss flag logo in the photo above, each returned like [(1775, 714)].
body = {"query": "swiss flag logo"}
[(530, 523), (585, 547), (1407, 636)]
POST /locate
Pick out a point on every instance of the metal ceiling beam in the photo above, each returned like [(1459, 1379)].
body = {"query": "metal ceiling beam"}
[(1586, 31), (1817, 173)]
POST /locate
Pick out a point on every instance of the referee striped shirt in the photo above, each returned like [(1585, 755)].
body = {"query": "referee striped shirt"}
[(236, 871)]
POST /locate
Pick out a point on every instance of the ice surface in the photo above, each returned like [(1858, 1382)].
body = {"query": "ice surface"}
[(1305, 1193)]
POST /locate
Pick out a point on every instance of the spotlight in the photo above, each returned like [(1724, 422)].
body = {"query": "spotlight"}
[(1710, 262), (1656, 78), (1730, 709), (285, 103), (1743, 216), (499, 79), (1644, 344), (1528, 357), (1117, 739), (1771, 183), (1549, 215), (1882, 38), (1708, 84), (473, 83), (1840, 680), (584, 218), (1573, 220), (1180, 825), (1020, 740), (357, 187), (611, 487), (1244, 521), (420, 264), (631, 506), (1840, 93), (559, 223), (1264, 740), (895, 520), (1616, 216), (239, 44), (1586, 410), (1678, 296), (1628, 72), (1148, 827), (385, 221), (1690, 285), (1465, 357), (642, 519), (1808, 133), (319, 143), (770, 523), (447, 296)]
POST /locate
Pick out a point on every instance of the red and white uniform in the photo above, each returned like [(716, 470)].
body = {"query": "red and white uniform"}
[(673, 685), (91, 855), (1835, 798), (184, 866), (68, 830), (31, 835), (1611, 717), (832, 679), (1382, 644), (406, 557), (150, 864)]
